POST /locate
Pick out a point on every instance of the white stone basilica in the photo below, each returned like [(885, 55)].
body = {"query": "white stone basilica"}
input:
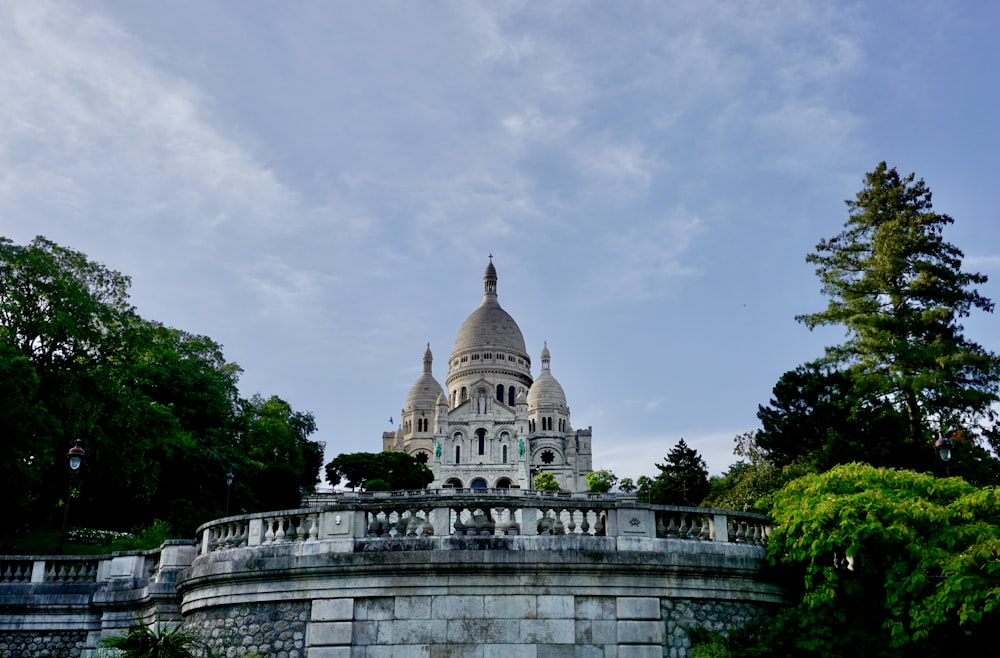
[(495, 427)]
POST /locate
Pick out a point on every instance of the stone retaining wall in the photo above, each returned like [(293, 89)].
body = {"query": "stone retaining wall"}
[(26, 644), (264, 629)]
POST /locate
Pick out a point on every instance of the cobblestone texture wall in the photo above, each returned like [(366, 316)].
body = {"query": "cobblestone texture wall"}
[(63, 644), (683, 615), (276, 630)]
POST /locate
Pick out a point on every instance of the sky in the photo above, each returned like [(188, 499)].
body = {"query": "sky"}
[(318, 186)]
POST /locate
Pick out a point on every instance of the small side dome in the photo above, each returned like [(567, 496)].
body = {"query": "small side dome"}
[(426, 390), (546, 390)]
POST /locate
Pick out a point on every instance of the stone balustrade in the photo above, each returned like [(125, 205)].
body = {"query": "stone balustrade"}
[(478, 512)]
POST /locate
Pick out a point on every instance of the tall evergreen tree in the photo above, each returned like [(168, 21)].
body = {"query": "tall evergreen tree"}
[(683, 478), (899, 289)]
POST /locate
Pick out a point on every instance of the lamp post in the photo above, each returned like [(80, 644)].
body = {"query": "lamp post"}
[(229, 485), (74, 459), (944, 446)]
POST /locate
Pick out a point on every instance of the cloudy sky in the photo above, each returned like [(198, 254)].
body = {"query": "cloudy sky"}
[(318, 185)]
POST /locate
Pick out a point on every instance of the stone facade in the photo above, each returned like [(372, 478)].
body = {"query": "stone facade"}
[(493, 425), (508, 626)]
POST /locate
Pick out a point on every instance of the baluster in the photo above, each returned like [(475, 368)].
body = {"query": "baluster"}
[(661, 530), (557, 526), (585, 523), (279, 530), (313, 534), (682, 530), (741, 534), (51, 573), (269, 533), (706, 529), (571, 526), (671, 527), (460, 527)]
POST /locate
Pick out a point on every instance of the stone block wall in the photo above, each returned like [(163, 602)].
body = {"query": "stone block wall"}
[(514, 626)]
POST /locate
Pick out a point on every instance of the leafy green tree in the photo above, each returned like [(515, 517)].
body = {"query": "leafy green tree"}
[(626, 485), (545, 481), (601, 481), (157, 408), (643, 486), (394, 469), (683, 478), (887, 562), (899, 290)]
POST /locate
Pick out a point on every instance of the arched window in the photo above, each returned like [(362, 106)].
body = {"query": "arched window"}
[(465, 394), (504, 459), (503, 483), (511, 399), (478, 483), (481, 435), (458, 454), (453, 482), (499, 392)]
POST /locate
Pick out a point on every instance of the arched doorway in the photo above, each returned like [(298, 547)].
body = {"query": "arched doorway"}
[(478, 483), (453, 482), (504, 483)]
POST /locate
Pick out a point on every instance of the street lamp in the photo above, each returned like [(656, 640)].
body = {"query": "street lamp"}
[(944, 447), (74, 459), (229, 485)]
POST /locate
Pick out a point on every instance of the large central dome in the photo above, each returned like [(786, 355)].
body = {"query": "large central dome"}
[(489, 326)]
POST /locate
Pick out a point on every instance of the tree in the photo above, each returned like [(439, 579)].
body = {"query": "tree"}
[(820, 417), (546, 481), (626, 485), (601, 481), (388, 470), (683, 478), (887, 562), (158, 409), (899, 290)]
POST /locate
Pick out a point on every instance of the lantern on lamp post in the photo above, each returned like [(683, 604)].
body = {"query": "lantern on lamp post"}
[(944, 447), (74, 459), (229, 485)]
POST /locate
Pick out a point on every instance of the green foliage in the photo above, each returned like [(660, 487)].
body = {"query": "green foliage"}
[(626, 485), (391, 469), (683, 478), (819, 418), (899, 290), (155, 641), (545, 481), (887, 562), (601, 481), (77, 362), (748, 486), (143, 539)]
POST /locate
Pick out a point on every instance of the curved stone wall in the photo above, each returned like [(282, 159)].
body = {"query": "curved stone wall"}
[(386, 589), (444, 574)]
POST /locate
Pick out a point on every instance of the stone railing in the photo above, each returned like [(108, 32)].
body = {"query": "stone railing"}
[(477, 512), (61, 569), (50, 569)]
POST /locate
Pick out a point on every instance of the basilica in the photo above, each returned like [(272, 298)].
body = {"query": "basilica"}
[(492, 425)]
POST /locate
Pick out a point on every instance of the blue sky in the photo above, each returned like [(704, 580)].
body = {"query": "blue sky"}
[(317, 185)]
